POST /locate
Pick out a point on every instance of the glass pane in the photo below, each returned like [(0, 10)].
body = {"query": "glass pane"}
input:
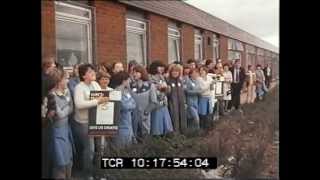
[(135, 24), (197, 51), (71, 10), (72, 43), (173, 32), (135, 47), (173, 50)]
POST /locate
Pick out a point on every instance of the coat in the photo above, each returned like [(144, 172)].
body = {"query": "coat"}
[(242, 76), (62, 144), (125, 134), (177, 106), (144, 94), (161, 122), (192, 91)]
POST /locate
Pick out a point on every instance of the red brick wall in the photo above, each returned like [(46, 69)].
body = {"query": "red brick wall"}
[(208, 49), (48, 29), (223, 48), (158, 38), (110, 31), (187, 37)]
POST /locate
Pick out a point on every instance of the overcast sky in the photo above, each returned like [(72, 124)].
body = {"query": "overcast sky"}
[(258, 17)]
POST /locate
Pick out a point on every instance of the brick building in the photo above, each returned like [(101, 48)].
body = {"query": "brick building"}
[(114, 30)]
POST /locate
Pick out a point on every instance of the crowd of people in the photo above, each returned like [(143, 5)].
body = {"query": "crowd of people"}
[(155, 101)]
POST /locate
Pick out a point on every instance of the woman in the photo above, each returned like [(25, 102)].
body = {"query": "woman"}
[(185, 77), (251, 76), (205, 99), (125, 135), (144, 93), (103, 80), (61, 141), (131, 66), (227, 87), (177, 99), (260, 79), (193, 91), (210, 66), (160, 118), (83, 103)]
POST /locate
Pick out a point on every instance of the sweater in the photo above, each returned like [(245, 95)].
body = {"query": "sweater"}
[(82, 101)]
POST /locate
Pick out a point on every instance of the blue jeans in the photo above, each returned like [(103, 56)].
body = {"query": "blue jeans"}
[(85, 145)]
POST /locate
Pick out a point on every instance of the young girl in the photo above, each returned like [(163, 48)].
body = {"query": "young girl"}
[(250, 83), (177, 99), (193, 91), (160, 118), (125, 134), (227, 87), (259, 82), (62, 146), (205, 99), (144, 93)]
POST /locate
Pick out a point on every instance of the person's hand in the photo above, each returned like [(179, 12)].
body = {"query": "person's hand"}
[(102, 99), (51, 114)]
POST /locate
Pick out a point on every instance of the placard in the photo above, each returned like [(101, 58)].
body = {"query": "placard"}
[(219, 88), (103, 119)]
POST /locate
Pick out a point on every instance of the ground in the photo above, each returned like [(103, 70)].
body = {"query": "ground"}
[(245, 144)]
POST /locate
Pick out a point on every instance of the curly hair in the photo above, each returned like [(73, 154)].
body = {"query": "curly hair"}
[(153, 68)]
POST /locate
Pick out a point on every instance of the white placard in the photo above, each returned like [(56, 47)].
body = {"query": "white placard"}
[(105, 114), (115, 95)]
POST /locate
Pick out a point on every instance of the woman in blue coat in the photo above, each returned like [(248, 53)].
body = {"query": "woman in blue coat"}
[(125, 135), (144, 93), (193, 90), (160, 118), (61, 141)]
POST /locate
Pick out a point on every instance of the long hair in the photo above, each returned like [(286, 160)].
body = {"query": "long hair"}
[(143, 71), (153, 68)]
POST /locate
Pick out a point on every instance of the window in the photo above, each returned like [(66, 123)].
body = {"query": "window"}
[(136, 41), (235, 47), (216, 47), (73, 34), (198, 45), (173, 45), (233, 55)]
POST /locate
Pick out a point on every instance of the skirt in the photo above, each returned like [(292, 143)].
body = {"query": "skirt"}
[(161, 122), (205, 105)]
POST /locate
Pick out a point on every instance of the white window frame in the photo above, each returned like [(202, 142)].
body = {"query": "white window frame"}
[(216, 46), (139, 31), (176, 39), (65, 17), (198, 38)]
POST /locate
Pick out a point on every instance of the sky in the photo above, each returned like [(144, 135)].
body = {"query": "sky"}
[(258, 17)]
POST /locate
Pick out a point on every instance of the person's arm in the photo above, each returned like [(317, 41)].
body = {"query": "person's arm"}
[(128, 103), (153, 103), (80, 101), (192, 91), (204, 86), (62, 111)]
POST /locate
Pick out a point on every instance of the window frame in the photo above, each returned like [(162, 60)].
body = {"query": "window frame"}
[(70, 18), (198, 38), (216, 46), (139, 31), (176, 39)]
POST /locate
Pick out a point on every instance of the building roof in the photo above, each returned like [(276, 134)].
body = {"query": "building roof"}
[(184, 12)]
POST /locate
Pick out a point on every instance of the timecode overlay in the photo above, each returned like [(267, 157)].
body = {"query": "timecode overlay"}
[(158, 163)]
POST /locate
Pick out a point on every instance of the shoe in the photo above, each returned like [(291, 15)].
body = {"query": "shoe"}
[(240, 110)]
